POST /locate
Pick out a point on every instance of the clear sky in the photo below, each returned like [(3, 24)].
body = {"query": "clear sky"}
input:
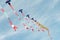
[(47, 12)]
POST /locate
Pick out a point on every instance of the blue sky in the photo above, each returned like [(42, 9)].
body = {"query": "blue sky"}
[(47, 12)]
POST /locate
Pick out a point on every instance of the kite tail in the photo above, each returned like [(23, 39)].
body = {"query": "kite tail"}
[(49, 35), (11, 7), (42, 26)]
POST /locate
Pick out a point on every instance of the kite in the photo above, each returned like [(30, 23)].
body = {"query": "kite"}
[(8, 2), (42, 27), (21, 11)]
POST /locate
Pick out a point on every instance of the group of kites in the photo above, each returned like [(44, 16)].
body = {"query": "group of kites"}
[(42, 27)]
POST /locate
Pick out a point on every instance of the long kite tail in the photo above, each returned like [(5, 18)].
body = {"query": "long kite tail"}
[(42, 26), (49, 35)]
